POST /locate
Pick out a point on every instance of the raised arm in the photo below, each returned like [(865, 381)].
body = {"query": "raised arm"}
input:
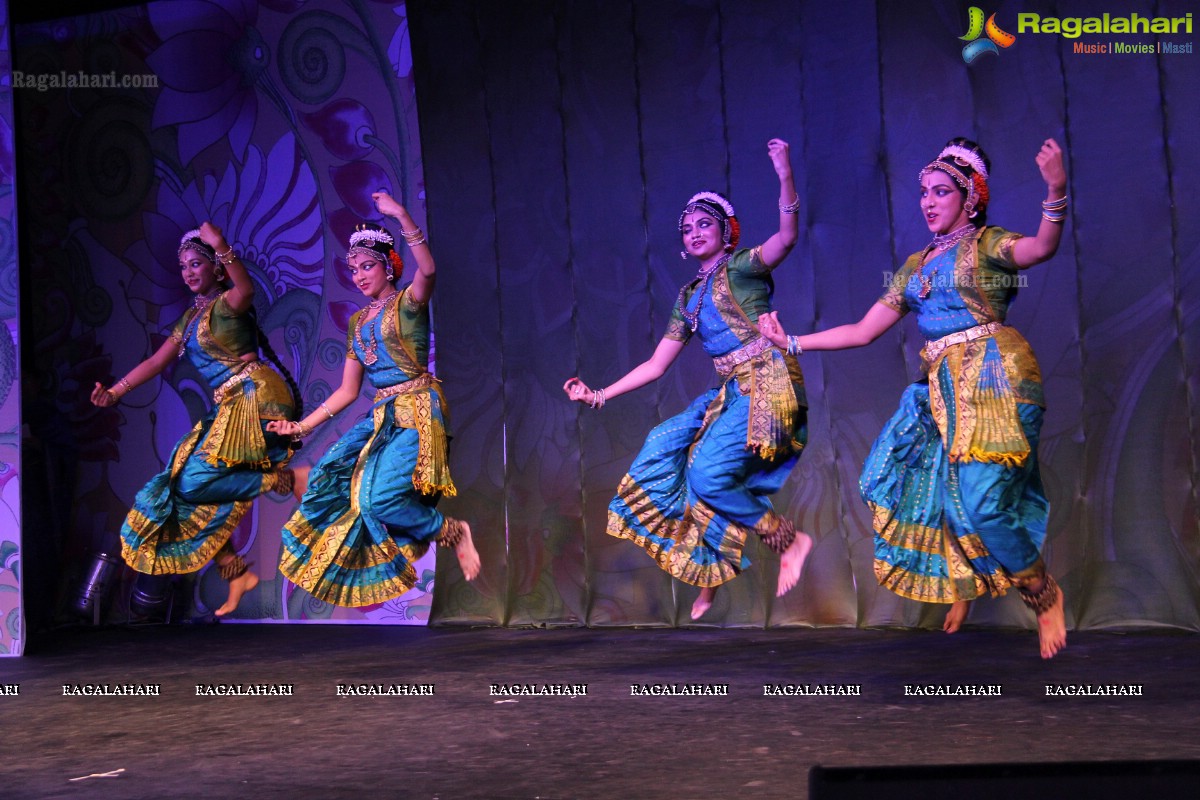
[(241, 296), (873, 324), (647, 372), (776, 248), (342, 397), (1032, 250), (422, 283), (152, 366)]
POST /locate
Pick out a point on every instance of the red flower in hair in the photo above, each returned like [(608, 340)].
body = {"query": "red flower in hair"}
[(735, 232), (981, 190), (397, 263)]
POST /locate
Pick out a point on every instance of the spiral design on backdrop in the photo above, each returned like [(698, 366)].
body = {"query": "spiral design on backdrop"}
[(110, 161), (92, 304), (8, 271), (312, 58), (331, 353), (302, 605)]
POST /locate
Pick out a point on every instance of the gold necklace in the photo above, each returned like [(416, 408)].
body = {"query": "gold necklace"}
[(199, 305), (943, 242), (370, 347)]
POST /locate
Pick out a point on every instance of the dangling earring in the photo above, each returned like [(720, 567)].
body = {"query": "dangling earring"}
[(219, 274), (390, 275), (683, 254), (728, 247), (969, 207)]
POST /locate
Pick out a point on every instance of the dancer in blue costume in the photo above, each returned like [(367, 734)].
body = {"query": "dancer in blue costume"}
[(699, 486), (368, 512), (185, 515), (952, 481)]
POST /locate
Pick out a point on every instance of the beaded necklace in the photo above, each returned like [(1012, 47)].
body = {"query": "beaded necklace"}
[(942, 242), (692, 318), (370, 344)]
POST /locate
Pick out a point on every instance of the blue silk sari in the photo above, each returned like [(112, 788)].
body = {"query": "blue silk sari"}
[(952, 480), (369, 511), (187, 512), (700, 485)]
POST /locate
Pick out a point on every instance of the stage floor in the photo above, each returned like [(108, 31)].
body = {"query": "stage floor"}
[(465, 740)]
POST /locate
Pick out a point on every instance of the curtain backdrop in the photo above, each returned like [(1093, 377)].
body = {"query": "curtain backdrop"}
[(561, 140)]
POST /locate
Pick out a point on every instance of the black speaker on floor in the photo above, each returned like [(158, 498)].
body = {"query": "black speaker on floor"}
[(1094, 780)]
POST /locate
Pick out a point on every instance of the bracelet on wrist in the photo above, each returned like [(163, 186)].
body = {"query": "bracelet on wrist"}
[(414, 237), (1055, 210), (303, 432)]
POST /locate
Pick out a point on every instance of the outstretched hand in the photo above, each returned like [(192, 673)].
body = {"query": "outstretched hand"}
[(1050, 163), (768, 326), (103, 397), (578, 391), (284, 427)]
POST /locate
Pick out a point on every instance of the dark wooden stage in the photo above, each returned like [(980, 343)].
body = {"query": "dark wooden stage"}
[(463, 741)]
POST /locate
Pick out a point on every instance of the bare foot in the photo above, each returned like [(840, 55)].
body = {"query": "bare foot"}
[(956, 616), (703, 602), (237, 587), (301, 484), (468, 556), (791, 563), (1052, 628)]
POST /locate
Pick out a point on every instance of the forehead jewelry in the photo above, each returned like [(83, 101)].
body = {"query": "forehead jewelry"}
[(192, 241)]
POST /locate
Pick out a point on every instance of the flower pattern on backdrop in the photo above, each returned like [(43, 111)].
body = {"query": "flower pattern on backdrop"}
[(268, 212), (257, 125)]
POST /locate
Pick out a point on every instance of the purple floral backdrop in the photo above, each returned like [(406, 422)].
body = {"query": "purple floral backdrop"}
[(276, 120), (12, 626)]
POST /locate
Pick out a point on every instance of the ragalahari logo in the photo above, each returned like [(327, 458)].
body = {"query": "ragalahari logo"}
[(976, 27)]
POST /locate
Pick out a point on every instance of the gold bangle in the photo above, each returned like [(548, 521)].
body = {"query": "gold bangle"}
[(304, 431), (414, 237)]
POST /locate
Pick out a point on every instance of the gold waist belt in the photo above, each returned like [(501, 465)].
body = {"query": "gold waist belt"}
[(235, 380), (932, 350), (727, 363), (422, 381)]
